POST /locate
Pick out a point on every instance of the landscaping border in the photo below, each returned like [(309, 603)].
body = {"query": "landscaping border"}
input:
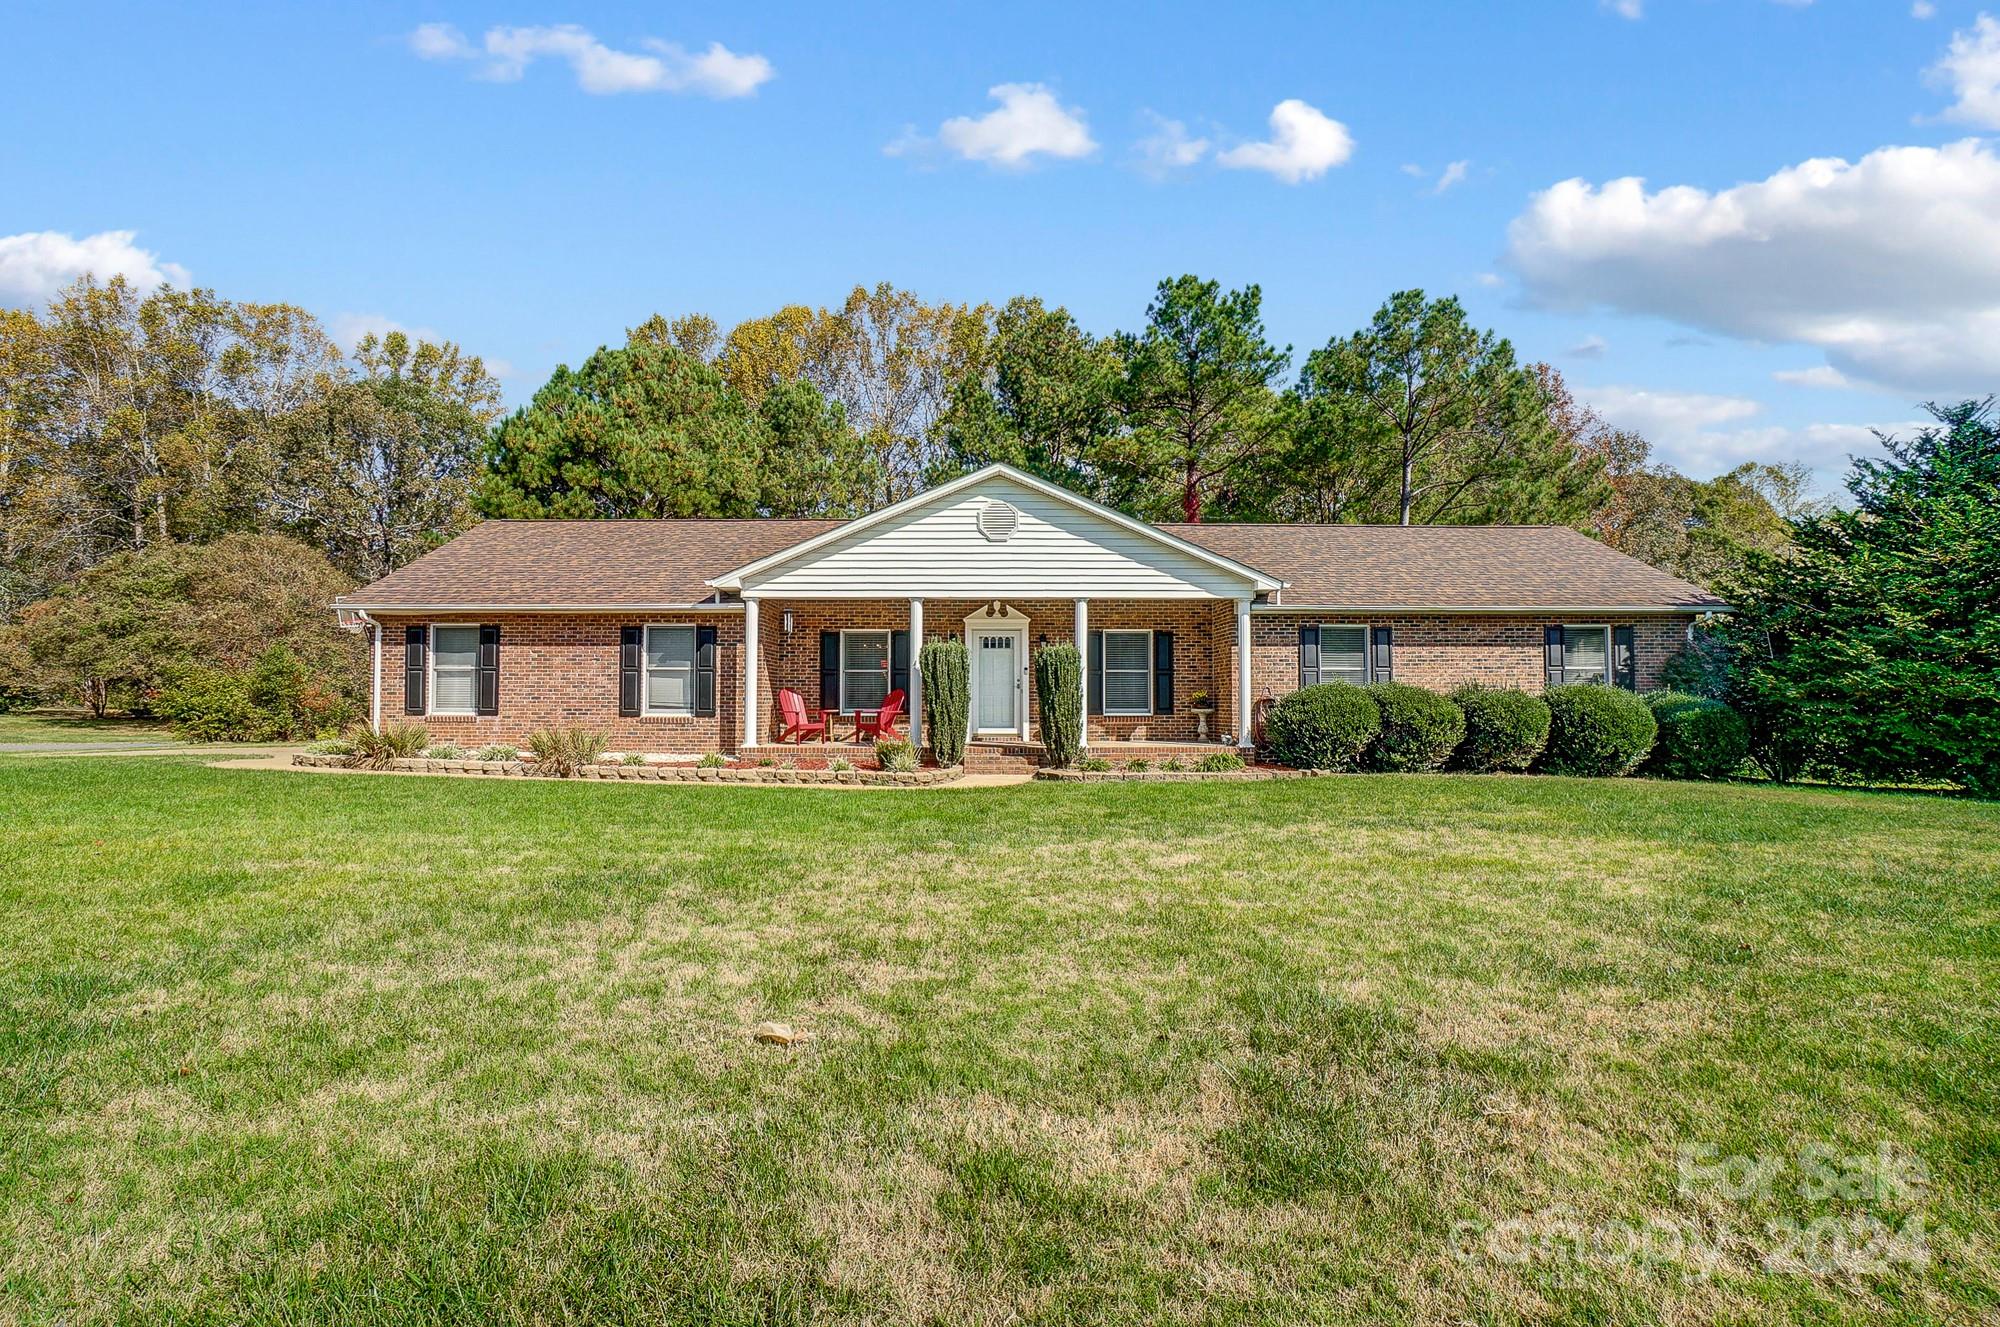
[(658, 773), (1251, 775)]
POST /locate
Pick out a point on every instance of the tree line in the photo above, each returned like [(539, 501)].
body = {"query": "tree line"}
[(139, 430)]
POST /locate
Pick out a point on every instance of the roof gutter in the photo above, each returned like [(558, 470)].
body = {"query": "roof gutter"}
[(540, 608), (1498, 610)]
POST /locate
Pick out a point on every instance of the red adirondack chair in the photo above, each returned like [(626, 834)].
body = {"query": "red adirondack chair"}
[(879, 723), (794, 722)]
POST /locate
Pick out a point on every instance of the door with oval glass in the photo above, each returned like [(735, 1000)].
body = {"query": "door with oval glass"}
[(996, 680)]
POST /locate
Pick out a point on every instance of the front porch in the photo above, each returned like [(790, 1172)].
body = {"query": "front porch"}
[(986, 755), (1159, 675)]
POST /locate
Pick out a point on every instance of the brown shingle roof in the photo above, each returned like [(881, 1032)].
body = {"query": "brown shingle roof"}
[(594, 564), (657, 563), (1446, 566)]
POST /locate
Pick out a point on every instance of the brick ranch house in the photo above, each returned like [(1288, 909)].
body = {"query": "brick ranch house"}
[(674, 636)]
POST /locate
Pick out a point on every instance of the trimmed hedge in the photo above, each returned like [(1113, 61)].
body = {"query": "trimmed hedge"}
[(1420, 729), (1699, 738), (1596, 731), (1323, 727), (1505, 729), (1058, 681), (947, 674)]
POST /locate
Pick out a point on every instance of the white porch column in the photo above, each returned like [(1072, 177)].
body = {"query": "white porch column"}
[(1083, 672), (375, 696), (1243, 672), (752, 610), (917, 676)]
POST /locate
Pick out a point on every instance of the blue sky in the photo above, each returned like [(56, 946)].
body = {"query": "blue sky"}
[(1819, 201)]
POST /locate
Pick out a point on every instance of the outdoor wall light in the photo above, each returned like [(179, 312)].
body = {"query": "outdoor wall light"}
[(788, 621)]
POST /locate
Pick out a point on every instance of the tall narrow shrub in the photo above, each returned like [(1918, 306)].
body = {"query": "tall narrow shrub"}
[(1058, 677), (947, 672)]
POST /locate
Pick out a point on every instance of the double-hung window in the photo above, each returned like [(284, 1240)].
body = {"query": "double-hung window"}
[(1586, 654), (1343, 654), (864, 670), (454, 670), (1128, 672), (670, 670)]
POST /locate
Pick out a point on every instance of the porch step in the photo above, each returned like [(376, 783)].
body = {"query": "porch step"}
[(1002, 757)]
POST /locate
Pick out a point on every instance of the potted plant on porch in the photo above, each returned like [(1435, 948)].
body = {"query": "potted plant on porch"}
[(1201, 705)]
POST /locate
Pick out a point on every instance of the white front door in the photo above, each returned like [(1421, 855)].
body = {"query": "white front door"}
[(996, 673)]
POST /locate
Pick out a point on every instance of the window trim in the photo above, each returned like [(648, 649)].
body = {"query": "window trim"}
[(646, 710), (1106, 670), (430, 671), (888, 636), (1609, 670), (1367, 652)]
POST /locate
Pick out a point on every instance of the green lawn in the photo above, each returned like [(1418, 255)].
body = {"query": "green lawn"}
[(77, 726), (318, 1048)]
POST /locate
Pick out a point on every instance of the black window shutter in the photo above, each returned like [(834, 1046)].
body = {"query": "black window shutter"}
[(1308, 656), (489, 670), (414, 643), (1095, 699), (1163, 672), (704, 671), (631, 660), (1623, 671), (1552, 641), (1383, 658), (829, 670), (899, 663)]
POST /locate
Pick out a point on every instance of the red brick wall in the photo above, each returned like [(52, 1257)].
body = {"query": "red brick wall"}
[(1443, 652), (559, 669), (793, 661)]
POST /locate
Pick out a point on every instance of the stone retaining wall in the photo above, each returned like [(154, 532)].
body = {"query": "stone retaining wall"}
[(1173, 775), (658, 773)]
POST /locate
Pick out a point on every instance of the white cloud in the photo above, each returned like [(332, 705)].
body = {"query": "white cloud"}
[(1169, 147), (1632, 9), (1923, 9), (347, 329), (1890, 264), (1591, 347), (1491, 280), (1452, 174), (1970, 67), (1029, 122), (37, 264), (1304, 144), (1819, 375), (1688, 431), (663, 66)]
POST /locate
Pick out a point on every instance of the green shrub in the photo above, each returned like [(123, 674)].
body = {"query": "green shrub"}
[(398, 741), (1699, 668), (1094, 765), (1699, 738), (1420, 729), (1173, 765), (1505, 729), (1596, 731), (712, 760), (634, 758), (210, 705), (275, 700), (1323, 727), (330, 746), (1058, 677), (947, 674), (1219, 762), (897, 756), (563, 751), (839, 764), (1139, 766), (446, 751), (499, 751)]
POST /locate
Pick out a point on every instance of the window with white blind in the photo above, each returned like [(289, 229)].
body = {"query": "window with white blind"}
[(1343, 654), (1128, 672), (454, 670), (670, 670), (1586, 654), (864, 669)]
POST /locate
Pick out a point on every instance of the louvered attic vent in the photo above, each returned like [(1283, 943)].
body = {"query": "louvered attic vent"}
[(998, 521)]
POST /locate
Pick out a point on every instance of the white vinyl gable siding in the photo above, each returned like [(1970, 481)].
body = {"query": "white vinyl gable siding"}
[(1054, 550)]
